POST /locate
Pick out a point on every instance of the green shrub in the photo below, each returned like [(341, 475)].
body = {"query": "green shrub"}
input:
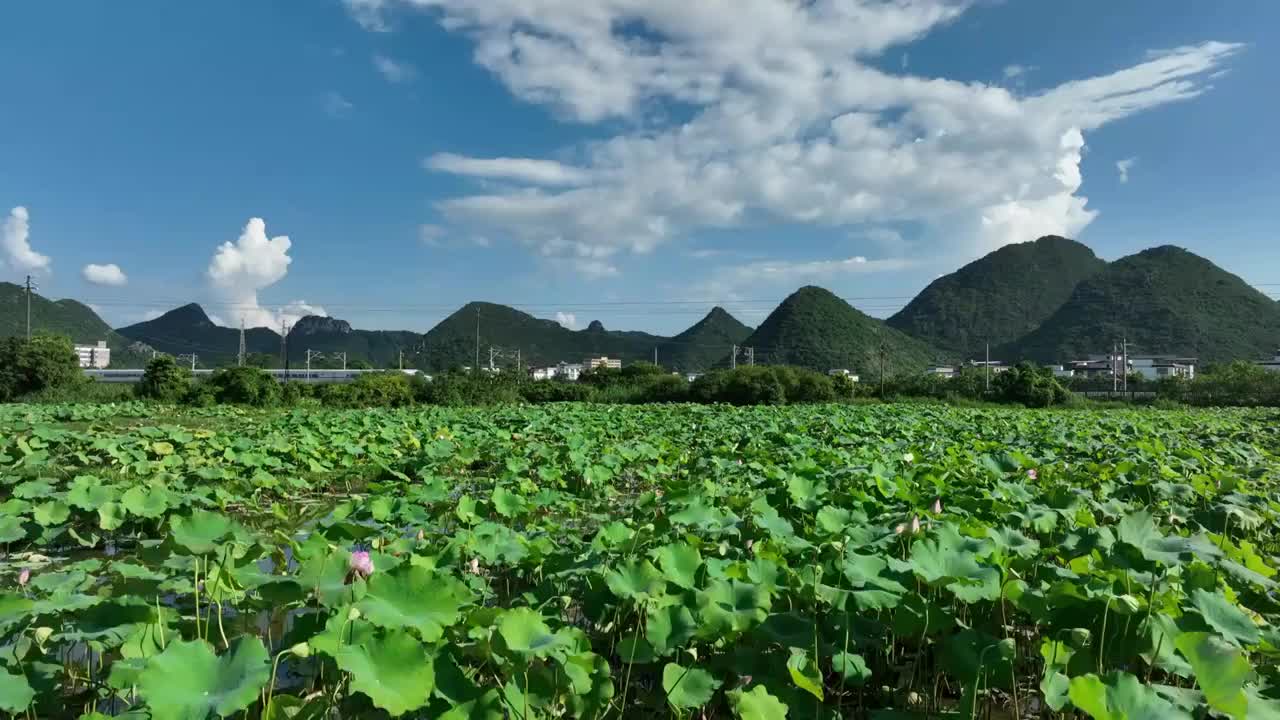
[(545, 391), (35, 365), (244, 386), (1030, 385), (164, 380)]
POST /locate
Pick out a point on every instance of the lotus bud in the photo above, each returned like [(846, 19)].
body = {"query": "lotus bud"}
[(24, 577), (42, 634), (474, 567), (301, 650), (908, 458), (422, 535), (915, 524), (937, 506), (902, 527), (1033, 474), (353, 615)]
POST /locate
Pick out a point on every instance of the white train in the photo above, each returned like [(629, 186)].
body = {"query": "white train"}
[(291, 375)]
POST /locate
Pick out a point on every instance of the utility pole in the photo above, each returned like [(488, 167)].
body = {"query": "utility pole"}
[(733, 358), (493, 353), (882, 354), (30, 286), (1124, 354), (240, 354), (751, 356), (311, 354), (193, 357), (986, 370), (476, 367), (1115, 381), (402, 358), (517, 361), (343, 357), (655, 354)]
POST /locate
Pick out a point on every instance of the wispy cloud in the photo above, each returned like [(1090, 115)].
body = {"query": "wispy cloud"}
[(1124, 166), (394, 71), (568, 320), (335, 104), (791, 122)]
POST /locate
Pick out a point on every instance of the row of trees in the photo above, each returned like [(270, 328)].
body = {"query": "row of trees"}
[(46, 367)]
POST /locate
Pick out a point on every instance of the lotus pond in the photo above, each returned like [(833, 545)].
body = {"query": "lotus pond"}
[(635, 562)]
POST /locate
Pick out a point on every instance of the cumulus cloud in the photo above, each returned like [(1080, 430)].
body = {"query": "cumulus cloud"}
[(727, 282), (394, 71), (788, 122), (240, 270), (15, 240), (1124, 166), (109, 274), (568, 320)]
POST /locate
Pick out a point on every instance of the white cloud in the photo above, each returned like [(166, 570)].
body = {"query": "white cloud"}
[(1124, 166), (534, 172), (568, 320), (787, 122), (728, 283), (432, 235), (239, 271), (151, 314), (109, 274), (394, 71), (15, 240), (1013, 72), (335, 104)]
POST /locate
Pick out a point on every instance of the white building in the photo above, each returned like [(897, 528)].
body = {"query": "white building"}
[(604, 362), (996, 366), (1273, 364), (563, 371), (97, 356), (1060, 371), (946, 371), (1159, 367)]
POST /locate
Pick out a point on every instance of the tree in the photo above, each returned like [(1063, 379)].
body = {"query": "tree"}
[(244, 385), (44, 361), (164, 380), (1031, 385)]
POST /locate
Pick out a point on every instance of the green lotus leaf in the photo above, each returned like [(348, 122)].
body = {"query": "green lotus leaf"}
[(15, 692), (757, 704), (414, 597), (1221, 671), (950, 560), (688, 687), (33, 489), (525, 632), (147, 502), (201, 533), (88, 493), (669, 627), (1121, 697), (507, 503), (1226, 618), (851, 666), (729, 605), (11, 529), (54, 512), (680, 563), (393, 669), (636, 580), (111, 516), (189, 682)]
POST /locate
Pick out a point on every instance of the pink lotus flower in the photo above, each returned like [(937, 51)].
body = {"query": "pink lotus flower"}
[(1033, 474), (24, 577), (902, 527), (361, 564), (937, 506), (915, 524)]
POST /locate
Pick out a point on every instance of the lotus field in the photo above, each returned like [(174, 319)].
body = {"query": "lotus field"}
[(639, 562)]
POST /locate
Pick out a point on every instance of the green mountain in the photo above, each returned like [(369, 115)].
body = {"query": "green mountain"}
[(1164, 301), (452, 343), (815, 329), (329, 336), (188, 329), (704, 345), (64, 317), (998, 298)]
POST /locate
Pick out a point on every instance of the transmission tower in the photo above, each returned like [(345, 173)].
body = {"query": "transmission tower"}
[(240, 354), (30, 287), (193, 357)]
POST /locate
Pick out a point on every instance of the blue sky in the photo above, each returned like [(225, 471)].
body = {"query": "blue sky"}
[(606, 159)]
